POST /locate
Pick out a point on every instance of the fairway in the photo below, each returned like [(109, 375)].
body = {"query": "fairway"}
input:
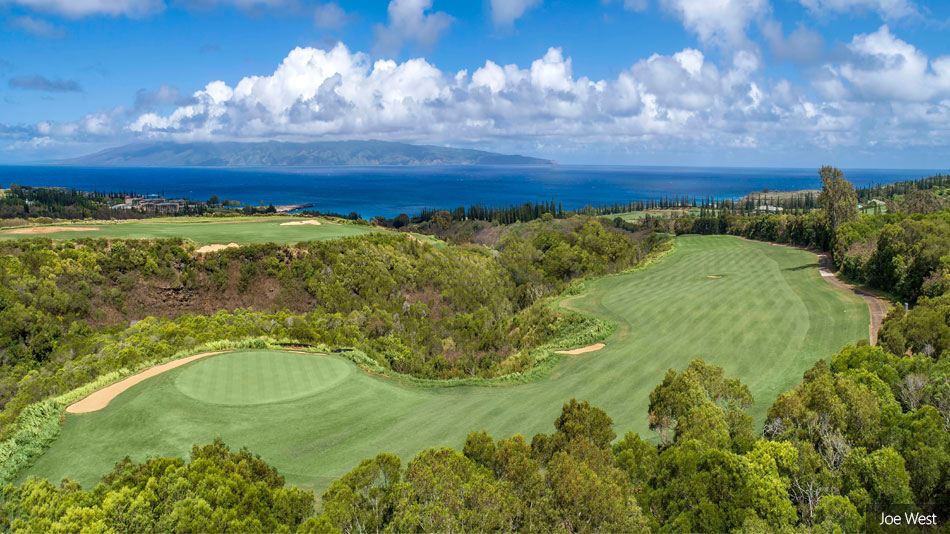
[(766, 318), (208, 230)]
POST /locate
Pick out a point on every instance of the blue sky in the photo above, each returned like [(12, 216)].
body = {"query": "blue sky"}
[(858, 83)]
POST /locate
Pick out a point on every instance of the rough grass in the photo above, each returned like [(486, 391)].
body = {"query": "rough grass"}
[(766, 321), (209, 230)]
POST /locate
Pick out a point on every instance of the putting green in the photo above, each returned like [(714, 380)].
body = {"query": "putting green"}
[(254, 377), (766, 320)]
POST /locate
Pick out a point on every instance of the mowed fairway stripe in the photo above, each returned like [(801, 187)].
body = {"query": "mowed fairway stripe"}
[(767, 320)]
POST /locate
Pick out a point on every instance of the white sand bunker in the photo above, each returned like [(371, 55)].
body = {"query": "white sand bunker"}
[(311, 222), (49, 229), (582, 350), (214, 248), (101, 398)]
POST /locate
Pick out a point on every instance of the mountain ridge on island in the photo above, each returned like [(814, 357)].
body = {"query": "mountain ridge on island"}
[(290, 154)]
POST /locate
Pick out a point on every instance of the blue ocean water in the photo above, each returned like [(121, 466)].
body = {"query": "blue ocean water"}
[(389, 191)]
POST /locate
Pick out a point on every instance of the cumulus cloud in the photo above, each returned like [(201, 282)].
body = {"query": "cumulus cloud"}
[(881, 66), (82, 8), (505, 12), (37, 26), (802, 46), (719, 22), (340, 94), (888, 9), (409, 20), (134, 8), (329, 16), (661, 102), (40, 83)]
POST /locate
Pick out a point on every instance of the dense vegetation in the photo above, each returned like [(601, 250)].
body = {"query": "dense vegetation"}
[(861, 435), (73, 311), (217, 491), (22, 203), (864, 433)]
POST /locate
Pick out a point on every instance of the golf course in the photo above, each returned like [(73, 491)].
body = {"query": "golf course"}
[(202, 230), (761, 311)]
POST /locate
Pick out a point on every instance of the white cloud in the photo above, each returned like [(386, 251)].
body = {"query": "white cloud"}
[(329, 16), (82, 8), (683, 101), (720, 22), (505, 12), (409, 21), (883, 67), (340, 94), (802, 46), (132, 8), (888, 9), (37, 26)]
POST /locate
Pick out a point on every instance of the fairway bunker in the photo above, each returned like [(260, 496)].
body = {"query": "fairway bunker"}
[(247, 378), (583, 350), (715, 276), (102, 397), (301, 223), (36, 230)]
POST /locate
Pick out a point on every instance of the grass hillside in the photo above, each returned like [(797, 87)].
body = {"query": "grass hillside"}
[(760, 311)]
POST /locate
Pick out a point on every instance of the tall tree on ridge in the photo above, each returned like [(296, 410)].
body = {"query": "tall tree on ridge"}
[(837, 196)]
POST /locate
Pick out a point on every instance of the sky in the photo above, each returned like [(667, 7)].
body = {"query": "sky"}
[(775, 83)]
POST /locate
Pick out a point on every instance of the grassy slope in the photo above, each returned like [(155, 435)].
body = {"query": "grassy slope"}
[(766, 321), (636, 215), (241, 230)]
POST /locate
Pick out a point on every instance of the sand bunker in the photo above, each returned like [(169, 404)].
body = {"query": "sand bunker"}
[(49, 229), (714, 276), (214, 248), (582, 350), (299, 223), (100, 399)]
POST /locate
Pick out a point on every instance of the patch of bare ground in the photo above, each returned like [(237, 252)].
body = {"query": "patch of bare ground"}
[(488, 235), (263, 293), (215, 248)]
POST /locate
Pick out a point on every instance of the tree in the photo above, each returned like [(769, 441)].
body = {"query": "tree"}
[(837, 197), (703, 390), (218, 491), (213, 201)]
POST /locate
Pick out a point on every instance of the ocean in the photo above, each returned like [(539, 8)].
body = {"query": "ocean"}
[(389, 191)]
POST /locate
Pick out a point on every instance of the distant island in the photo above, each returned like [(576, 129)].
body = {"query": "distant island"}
[(274, 153)]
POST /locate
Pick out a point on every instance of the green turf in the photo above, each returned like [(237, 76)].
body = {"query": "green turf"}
[(767, 320), (207, 230), (247, 378)]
